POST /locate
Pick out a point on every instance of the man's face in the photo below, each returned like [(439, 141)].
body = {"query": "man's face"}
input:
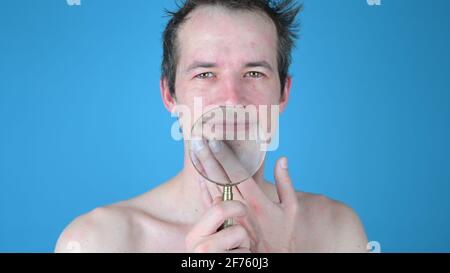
[(227, 57)]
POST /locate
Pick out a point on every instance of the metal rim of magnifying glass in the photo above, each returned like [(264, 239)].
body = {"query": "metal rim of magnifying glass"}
[(190, 157)]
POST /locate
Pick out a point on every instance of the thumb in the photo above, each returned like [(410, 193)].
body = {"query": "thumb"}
[(206, 197), (285, 189), (207, 200)]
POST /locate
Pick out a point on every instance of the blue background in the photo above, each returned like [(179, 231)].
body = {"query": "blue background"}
[(82, 124)]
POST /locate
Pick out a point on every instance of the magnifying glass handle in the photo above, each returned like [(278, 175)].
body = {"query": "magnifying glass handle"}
[(226, 196)]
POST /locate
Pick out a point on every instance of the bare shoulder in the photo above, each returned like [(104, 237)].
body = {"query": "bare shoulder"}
[(134, 225), (120, 227), (96, 231), (336, 224)]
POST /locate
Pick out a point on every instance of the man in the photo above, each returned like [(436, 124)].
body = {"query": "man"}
[(227, 53)]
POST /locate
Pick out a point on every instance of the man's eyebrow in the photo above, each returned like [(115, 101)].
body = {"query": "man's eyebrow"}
[(259, 63), (197, 64)]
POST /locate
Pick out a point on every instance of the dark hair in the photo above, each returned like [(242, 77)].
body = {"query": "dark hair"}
[(282, 13)]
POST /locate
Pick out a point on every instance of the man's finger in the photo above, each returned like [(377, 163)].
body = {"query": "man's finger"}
[(252, 193), (213, 188), (228, 160), (227, 239), (214, 217), (285, 189), (207, 199), (248, 189), (211, 166)]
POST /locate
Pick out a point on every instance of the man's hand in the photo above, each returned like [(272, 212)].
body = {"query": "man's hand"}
[(270, 225), (204, 237)]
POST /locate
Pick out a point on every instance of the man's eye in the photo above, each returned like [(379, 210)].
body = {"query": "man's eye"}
[(254, 74), (205, 75)]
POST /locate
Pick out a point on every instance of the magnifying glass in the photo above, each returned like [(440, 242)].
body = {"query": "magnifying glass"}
[(234, 147)]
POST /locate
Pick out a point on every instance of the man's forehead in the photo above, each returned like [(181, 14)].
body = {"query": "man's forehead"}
[(210, 32)]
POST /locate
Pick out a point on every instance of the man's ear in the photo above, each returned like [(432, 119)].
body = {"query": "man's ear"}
[(168, 100), (286, 92)]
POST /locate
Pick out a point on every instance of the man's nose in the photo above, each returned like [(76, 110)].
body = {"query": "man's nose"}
[(231, 92)]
